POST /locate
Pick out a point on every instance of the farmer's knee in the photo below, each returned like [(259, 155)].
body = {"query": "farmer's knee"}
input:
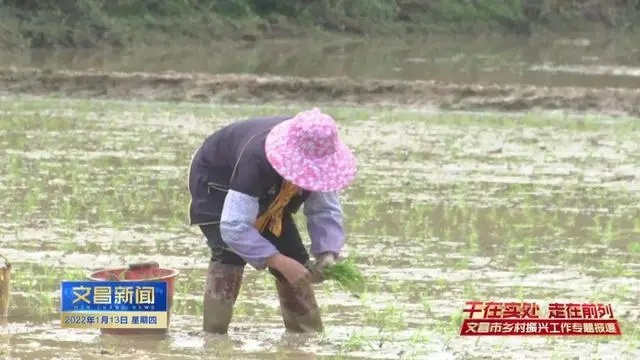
[(227, 257)]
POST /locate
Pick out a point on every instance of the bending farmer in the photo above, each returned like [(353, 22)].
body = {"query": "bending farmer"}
[(246, 182)]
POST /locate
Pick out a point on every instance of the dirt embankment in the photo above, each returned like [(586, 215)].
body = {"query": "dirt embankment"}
[(258, 89)]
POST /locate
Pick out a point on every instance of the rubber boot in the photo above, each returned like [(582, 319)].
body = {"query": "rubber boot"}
[(222, 289), (300, 311)]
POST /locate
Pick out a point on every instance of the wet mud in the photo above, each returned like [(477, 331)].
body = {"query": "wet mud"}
[(231, 88), (447, 207)]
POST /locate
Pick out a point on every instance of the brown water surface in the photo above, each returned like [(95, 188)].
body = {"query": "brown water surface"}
[(593, 61)]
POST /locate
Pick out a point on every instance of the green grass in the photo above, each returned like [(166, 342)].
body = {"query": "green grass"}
[(90, 23)]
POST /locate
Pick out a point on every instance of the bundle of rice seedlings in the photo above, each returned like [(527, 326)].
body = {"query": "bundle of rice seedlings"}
[(347, 275)]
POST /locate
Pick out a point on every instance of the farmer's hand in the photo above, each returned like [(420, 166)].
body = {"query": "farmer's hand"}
[(323, 261), (293, 271)]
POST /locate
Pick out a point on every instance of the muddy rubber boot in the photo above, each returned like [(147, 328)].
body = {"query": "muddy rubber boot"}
[(300, 311), (222, 289)]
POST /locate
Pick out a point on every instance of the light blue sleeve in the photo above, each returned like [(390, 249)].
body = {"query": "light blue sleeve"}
[(324, 222), (237, 227)]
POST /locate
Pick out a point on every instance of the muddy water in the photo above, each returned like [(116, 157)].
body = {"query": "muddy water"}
[(446, 208), (571, 61)]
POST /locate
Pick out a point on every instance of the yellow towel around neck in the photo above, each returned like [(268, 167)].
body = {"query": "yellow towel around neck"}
[(274, 214)]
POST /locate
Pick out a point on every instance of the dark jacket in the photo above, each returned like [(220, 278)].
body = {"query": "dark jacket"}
[(234, 158)]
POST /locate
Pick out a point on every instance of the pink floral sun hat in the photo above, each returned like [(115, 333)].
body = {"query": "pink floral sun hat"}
[(307, 151)]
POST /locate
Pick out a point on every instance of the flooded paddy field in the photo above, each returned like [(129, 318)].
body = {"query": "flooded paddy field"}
[(447, 207)]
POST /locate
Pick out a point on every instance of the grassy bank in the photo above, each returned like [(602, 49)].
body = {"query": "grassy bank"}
[(121, 23)]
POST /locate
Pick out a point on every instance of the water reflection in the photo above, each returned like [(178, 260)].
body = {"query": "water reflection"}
[(543, 62)]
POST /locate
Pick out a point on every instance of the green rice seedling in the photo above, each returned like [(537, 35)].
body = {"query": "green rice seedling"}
[(198, 308), (45, 303), (420, 336), (356, 342), (455, 321), (346, 275), (389, 319), (634, 247)]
